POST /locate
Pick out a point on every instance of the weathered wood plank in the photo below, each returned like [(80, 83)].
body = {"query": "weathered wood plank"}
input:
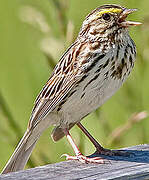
[(134, 167)]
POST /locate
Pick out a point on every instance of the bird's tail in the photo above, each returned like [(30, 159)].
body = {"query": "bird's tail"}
[(21, 154)]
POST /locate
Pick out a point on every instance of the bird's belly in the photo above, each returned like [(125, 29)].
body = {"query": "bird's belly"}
[(99, 85), (83, 102)]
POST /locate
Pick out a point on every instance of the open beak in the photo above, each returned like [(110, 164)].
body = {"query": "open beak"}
[(122, 19)]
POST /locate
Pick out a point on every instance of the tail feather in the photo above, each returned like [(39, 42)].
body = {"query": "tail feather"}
[(20, 156), (25, 147)]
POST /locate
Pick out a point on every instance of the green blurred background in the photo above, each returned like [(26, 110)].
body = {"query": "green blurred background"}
[(33, 36)]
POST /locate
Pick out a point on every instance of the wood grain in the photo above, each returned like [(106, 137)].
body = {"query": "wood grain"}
[(135, 167)]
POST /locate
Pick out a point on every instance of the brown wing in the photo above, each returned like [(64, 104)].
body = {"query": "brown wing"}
[(63, 79)]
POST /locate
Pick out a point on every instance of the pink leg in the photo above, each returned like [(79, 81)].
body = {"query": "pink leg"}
[(78, 154)]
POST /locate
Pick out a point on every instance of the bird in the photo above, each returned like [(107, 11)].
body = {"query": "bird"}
[(90, 71)]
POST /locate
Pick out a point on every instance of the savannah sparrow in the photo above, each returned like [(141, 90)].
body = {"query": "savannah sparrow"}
[(91, 70)]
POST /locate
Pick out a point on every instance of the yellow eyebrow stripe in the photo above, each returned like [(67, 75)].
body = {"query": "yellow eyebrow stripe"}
[(110, 10)]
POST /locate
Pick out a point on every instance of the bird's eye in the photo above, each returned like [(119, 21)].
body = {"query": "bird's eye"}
[(106, 16)]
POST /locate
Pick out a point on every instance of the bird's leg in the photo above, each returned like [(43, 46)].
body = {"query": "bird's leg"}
[(99, 148), (78, 155), (91, 138)]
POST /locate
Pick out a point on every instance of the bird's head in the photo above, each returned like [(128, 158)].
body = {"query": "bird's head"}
[(105, 20)]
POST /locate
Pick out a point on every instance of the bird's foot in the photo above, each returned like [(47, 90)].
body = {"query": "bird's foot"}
[(84, 159)]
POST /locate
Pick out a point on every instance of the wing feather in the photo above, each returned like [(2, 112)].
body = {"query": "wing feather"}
[(62, 81)]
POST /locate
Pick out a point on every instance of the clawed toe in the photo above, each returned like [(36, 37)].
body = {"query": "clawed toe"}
[(68, 157), (84, 159)]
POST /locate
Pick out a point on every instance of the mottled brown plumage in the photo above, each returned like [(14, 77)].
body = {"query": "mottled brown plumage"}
[(92, 69)]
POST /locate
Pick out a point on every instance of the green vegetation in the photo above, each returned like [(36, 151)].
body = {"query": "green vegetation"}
[(33, 36)]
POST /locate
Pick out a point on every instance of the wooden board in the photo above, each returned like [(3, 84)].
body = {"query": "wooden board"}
[(135, 167)]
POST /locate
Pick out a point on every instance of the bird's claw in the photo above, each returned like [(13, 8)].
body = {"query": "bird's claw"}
[(84, 159)]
